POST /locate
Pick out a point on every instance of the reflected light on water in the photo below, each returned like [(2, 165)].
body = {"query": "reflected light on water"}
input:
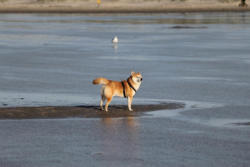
[(120, 139)]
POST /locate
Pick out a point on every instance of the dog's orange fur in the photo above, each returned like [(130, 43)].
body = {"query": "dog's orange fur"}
[(114, 88)]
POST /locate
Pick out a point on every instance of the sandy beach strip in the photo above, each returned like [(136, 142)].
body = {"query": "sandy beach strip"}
[(117, 6), (124, 10), (82, 111)]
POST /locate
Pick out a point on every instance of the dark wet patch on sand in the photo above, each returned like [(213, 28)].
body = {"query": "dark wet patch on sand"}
[(242, 124), (82, 111), (188, 27)]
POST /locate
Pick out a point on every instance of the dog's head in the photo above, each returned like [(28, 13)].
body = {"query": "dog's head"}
[(136, 77)]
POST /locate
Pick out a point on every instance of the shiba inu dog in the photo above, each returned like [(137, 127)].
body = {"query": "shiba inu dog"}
[(126, 88)]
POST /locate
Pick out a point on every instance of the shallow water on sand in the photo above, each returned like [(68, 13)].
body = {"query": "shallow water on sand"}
[(202, 60), (52, 59)]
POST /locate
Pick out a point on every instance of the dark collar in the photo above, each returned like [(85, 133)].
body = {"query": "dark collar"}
[(130, 85)]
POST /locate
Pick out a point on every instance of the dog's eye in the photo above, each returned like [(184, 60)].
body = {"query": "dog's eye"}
[(139, 79)]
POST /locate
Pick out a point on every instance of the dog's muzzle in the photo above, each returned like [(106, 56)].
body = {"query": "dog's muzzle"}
[(141, 79)]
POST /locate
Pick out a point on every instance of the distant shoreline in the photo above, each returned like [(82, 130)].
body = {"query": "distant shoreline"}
[(123, 8)]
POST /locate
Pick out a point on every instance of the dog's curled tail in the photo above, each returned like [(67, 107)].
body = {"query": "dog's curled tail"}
[(103, 81)]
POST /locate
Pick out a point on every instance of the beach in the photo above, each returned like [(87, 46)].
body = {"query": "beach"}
[(192, 108), (118, 6)]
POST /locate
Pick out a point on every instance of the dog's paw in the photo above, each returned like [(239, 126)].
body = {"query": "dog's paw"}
[(130, 109)]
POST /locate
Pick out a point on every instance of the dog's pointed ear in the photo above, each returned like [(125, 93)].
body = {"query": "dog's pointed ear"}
[(132, 73)]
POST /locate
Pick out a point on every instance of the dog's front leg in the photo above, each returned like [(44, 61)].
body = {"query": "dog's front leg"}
[(130, 99)]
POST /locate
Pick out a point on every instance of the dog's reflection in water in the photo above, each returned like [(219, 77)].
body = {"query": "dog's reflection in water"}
[(129, 122), (119, 139)]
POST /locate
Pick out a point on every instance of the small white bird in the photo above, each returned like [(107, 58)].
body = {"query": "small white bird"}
[(115, 39)]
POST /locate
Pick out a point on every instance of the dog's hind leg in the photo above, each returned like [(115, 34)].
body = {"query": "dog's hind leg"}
[(107, 104), (102, 98), (102, 101)]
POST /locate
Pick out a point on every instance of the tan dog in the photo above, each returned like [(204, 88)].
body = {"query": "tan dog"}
[(126, 88)]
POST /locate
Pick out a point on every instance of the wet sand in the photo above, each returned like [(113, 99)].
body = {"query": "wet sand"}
[(242, 124), (50, 60), (82, 111)]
